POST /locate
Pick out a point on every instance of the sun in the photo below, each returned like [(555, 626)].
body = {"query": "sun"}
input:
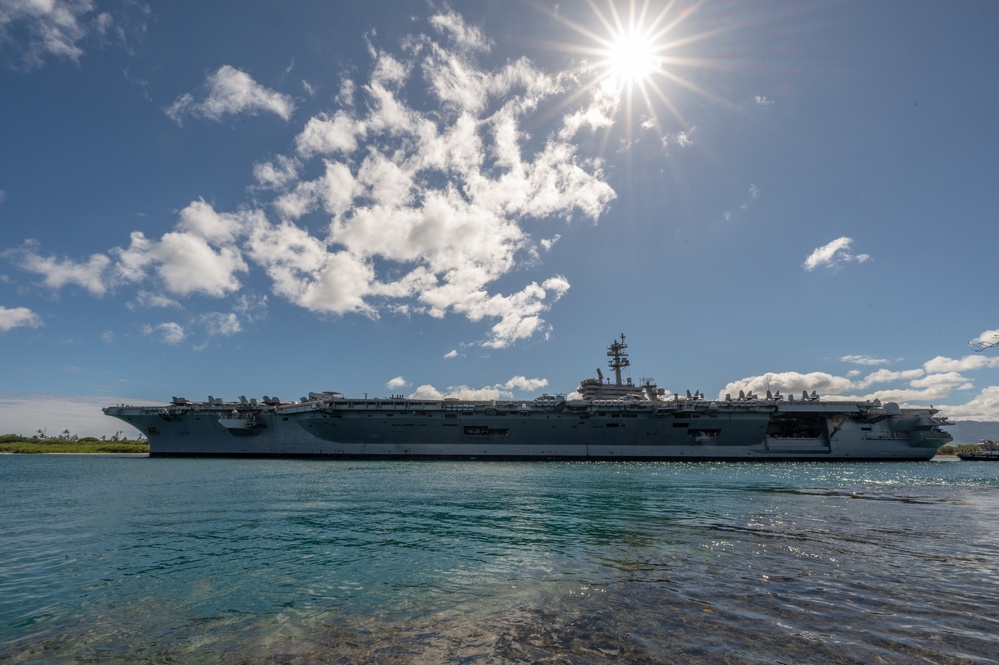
[(631, 58), (636, 61)]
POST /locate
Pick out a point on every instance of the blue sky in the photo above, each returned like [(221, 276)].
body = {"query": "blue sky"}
[(475, 198)]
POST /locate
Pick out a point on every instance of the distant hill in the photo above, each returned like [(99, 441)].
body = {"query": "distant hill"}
[(973, 431)]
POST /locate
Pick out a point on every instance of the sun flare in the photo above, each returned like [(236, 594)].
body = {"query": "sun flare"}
[(631, 58), (637, 61)]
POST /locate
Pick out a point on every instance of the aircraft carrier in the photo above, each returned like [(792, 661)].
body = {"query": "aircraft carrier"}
[(605, 419)]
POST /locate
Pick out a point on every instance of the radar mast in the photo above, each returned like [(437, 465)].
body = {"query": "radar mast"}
[(618, 358)]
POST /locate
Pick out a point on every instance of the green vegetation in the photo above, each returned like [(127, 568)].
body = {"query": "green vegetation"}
[(955, 449), (70, 443)]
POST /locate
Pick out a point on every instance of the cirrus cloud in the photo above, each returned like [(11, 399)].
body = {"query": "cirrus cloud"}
[(54, 28)]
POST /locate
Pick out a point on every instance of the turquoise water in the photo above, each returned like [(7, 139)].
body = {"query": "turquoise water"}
[(129, 559)]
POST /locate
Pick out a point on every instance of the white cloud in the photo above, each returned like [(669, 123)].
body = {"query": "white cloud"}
[(465, 36), (453, 353), (887, 376), (334, 192), (942, 364), (345, 97), (598, 114), (864, 360), (276, 174), (421, 209), (396, 383), (222, 324), (905, 396), (500, 391), (53, 27), (230, 91), (289, 254), (209, 326), (486, 394), (18, 317), (548, 243), (32, 31), (251, 308), (983, 407), (427, 392), (186, 263), (200, 219), (103, 24), (942, 381), (200, 257), (920, 384), (762, 101), (151, 299), (681, 139), (329, 135), (63, 272), (340, 286), (446, 242), (932, 384), (170, 332), (788, 383), (525, 384), (133, 261), (833, 255)]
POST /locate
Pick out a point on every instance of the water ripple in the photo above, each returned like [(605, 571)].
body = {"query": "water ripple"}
[(257, 561)]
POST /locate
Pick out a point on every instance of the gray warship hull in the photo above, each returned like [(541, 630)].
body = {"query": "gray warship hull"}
[(342, 428), (607, 421)]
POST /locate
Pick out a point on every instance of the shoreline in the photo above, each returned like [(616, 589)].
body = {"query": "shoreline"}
[(62, 452)]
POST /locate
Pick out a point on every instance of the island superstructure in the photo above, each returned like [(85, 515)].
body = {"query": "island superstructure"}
[(603, 420)]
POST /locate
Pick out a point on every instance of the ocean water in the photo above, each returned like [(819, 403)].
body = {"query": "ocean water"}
[(126, 559)]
